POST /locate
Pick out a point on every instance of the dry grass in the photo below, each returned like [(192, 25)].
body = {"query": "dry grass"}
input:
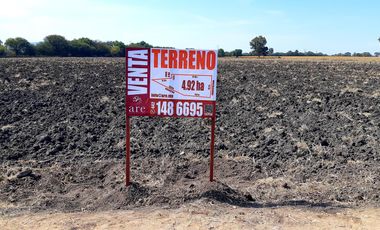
[(104, 99), (350, 89), (5, 127), (302, 145), (274, 114), (308, 58), (200, 215)]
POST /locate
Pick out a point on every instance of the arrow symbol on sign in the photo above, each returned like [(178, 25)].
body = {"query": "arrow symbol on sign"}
[(188, 85)]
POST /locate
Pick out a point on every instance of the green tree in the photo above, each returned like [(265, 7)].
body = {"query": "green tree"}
[(270, 51), (258, 46), (54, 45), (237, 53), (348, 54), (364, 54), (117, 48), (20, 46), (141, 44), (115, 51), (83, 47), (102, 49), (2, 50), (43, 48), (221, 53)]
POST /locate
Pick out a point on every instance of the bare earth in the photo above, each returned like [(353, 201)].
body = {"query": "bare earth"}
[(297, 146), (201, 215)]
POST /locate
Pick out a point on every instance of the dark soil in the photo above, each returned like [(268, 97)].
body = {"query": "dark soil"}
[(288, 133)]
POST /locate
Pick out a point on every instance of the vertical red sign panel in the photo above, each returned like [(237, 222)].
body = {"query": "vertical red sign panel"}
[(137, 80), (170, 83)]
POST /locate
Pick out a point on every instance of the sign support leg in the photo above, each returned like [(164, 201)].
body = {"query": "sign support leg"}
[(128, 154), (212, 148)]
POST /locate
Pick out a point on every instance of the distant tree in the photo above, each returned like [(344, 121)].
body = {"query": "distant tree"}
[(19, 46), (258, 46), (367, 54), (348, 54), (237, 53), (117, 48), (221, 53), (54, 45), (364, 54), (2, 50), (115, 51), (297, 53), (102, 49), (83, 47), (270, 51), (44, 49), (290, 53), (141, 44)]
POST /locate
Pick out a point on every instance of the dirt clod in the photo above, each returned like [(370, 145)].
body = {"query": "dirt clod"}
[(288, 133)]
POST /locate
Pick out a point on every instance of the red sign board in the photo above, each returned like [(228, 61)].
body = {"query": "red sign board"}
[(170, 83)]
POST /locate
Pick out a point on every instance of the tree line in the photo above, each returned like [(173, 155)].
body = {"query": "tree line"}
[(57, 45), (259, 48)]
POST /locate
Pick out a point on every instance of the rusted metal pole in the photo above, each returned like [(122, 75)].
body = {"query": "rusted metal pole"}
[(128, 153), (212, 144)]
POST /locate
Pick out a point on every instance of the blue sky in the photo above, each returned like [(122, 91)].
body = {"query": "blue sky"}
[(328, 26)]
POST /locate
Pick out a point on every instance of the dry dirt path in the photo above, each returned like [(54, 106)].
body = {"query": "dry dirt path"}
[(202, 215)]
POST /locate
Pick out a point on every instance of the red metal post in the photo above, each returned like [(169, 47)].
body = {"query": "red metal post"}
[(213, 120), (128, 154)]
